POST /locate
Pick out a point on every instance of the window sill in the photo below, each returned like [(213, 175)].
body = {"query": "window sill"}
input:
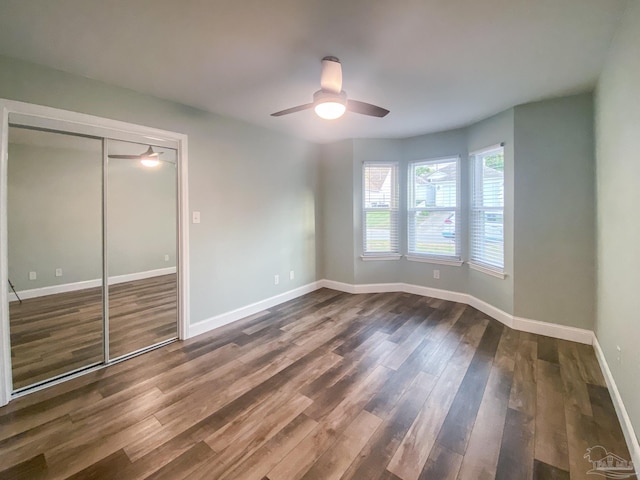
[(439, 261), (376, 258), (494, 272)]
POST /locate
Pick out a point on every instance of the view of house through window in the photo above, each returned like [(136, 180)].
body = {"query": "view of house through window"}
[(432, 208), (380, 212), (487, 208)]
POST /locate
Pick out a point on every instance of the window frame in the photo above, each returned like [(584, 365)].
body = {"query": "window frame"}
[(476, 261), (412, 255), (394, 213)]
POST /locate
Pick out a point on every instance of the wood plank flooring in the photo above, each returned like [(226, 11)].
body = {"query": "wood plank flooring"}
[(56, 334), (327, 386)]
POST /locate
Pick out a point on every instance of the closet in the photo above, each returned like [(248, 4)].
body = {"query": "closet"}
[(91, 252)]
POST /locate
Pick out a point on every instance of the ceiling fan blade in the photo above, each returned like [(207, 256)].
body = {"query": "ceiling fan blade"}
[(126, 157), (147, 154), (299, 108), (331, 77), (366, 109)]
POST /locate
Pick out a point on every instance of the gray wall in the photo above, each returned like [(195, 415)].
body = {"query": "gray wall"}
[(142, 224), (255, 188), (618, 221), (54, 215), (555, 212), (336, 198)]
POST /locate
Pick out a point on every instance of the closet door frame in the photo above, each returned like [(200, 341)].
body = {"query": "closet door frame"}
[(67, 121)]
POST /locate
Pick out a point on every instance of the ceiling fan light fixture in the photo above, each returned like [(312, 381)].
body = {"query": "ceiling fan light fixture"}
[(329, 105), (330, 110), (150, 161)]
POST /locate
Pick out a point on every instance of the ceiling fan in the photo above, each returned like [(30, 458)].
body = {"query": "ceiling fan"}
[(150, 158), (330, 102)]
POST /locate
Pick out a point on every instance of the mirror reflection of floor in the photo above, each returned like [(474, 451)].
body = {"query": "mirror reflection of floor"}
[(57, 334)]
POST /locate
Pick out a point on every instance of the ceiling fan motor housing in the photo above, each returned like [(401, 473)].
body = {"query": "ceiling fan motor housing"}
[(324, 96), (331, 76)]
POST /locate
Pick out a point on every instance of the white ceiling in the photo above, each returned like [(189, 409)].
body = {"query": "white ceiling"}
[(436, 64)]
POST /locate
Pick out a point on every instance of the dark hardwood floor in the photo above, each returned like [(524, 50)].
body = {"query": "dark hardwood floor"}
[(327, 386), (56, 334)]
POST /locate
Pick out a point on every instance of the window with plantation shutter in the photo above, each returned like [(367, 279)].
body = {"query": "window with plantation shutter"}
[(432, 209), (380, 209), (487, 209)]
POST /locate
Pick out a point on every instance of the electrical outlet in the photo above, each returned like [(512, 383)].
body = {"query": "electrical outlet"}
[(436, 274), (33, 275), (276, 279), (166, 258), (196, 217), (619, 355), (292, 275), (58, 272)]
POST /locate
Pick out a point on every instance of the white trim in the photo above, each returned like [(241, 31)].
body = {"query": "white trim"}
[(184, 296), (493, 271), (554, 330), (625, 422), (218, 321), (377, 288), (436, 159), (75, 286), (480, 151), (376, 258), (101, 127), (334, 285), (6, 384), (436, 260), (84, 124), (488, 309), (435, 293)]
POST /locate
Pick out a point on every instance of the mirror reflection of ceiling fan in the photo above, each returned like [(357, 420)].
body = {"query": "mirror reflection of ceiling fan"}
[(150, 158), (330, 102)]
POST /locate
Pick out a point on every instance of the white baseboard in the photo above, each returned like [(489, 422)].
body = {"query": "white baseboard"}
[(228, 317), (563, 332), (523, 324), (435, 293), (74, 287), (623, 416), (130, 277), (340, 286), (488, 309)]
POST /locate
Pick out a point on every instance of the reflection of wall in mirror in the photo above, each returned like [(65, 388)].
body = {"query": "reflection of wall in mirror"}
[(142, 206), (55, 218)]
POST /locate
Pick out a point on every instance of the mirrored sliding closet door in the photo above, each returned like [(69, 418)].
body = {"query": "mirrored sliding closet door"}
[(92, 247), (54, 229), (141, 246)]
